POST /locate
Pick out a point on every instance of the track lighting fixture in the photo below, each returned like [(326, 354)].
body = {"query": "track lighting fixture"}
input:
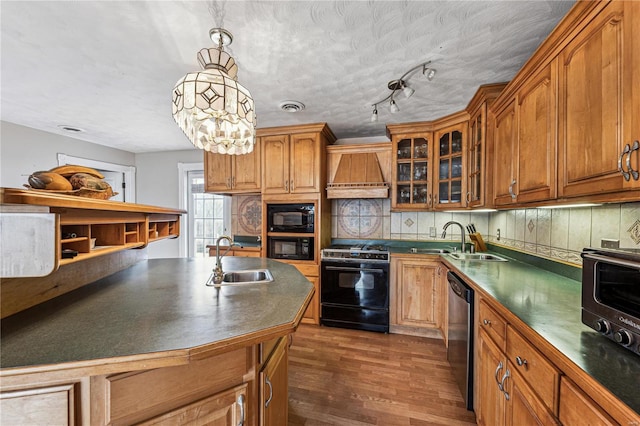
[(401, 84)]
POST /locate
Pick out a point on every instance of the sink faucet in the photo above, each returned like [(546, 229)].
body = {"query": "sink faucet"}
[(462, 241), (217, 272)]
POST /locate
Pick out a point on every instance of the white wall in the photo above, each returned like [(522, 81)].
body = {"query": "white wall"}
[(157, 184), (24, 150)]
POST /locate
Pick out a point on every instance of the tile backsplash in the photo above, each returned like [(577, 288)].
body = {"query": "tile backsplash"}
[(246, 215), (557, 234)]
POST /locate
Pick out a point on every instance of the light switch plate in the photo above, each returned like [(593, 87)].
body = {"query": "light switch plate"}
[(432, 232)]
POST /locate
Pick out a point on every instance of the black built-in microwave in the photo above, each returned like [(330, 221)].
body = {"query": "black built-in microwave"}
[(291, 248), (291, 218)]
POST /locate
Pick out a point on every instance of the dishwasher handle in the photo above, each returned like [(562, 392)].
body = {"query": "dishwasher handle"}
[(459, 287)]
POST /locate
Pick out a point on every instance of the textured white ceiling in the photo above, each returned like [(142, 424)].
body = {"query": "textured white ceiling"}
[(108, 67)]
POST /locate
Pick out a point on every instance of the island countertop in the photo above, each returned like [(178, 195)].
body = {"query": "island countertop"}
[(156, 308)]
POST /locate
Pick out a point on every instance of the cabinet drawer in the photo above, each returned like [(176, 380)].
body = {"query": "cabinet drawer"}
[(492, 323), (535, 369), (308, 270)]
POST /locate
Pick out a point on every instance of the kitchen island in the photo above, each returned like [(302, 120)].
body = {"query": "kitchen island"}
[(149, 341)]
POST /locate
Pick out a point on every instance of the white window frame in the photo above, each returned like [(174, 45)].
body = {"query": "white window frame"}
[(129, 172), (184, 204)]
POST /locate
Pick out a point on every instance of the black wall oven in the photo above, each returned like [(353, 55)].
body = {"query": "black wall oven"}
[(611, 294), (291, 218), (355, 289)]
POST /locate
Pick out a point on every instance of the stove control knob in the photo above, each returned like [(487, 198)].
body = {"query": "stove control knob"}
[(602, 326), (623, 337)]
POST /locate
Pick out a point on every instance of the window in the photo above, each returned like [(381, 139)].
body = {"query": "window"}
[(209, 215)]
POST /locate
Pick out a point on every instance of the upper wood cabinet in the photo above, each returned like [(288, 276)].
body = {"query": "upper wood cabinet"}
[(411, 185), (525, 142), (233, 174), (449, 177), (293, 159), (599, 104), (428, 163), (480, 148)]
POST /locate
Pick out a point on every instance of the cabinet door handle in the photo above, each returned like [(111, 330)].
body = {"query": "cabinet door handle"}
[(513, 195), (626, 151), (521, 362), (486, 321), (229, 182), (293, 187), (507, 374), (268, 401), (233, 182), (498, 368), (468, 197), (290, 340), (286, 185), (634, 173), (240, 402), (429, 200)]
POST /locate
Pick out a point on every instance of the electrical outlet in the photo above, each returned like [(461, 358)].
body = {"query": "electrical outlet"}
[(498, 234), (609, 243), (432, 232)]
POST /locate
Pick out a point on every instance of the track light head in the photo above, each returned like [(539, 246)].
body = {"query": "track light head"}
[(393, 107), (428, 72), (374, 115)]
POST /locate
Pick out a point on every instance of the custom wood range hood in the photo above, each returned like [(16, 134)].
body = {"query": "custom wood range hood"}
[(358, 175)]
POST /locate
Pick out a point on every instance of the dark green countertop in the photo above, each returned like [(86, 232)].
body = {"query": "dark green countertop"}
[(551, 305), (156, 305)]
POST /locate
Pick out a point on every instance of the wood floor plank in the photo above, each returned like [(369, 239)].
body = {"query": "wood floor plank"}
[(342, 377)]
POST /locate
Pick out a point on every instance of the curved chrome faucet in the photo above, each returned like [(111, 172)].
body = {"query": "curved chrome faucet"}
[(218, 274), (463, 242)]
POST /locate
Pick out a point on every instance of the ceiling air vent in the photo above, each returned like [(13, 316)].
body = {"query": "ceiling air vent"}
[(291, 106)]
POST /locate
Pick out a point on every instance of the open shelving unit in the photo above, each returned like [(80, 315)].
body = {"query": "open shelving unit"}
[(98, 227)]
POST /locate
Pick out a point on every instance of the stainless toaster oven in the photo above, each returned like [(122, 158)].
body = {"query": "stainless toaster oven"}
[(611, 294)]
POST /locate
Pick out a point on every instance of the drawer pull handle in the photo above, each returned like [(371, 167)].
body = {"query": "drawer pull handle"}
[(507, 374), (486, 322), (240, 402), (521, 362), (266, 404), (496, 376)]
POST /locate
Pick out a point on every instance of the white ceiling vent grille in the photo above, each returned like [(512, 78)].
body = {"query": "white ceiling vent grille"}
[(291, 106)]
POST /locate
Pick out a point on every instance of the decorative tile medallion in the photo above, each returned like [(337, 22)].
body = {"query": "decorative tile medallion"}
[(250, 216), (531, 225), (634, 232), (409, 222)]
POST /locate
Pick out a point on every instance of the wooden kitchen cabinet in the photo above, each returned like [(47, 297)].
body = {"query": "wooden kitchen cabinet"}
[(233, 174), (293, 159), (525, 142), (312, 273), (274, 383), (450, 172), (577, 408), (49, 405), (480, 147), (516, 384), (411, 182), (600, 105), (227, 408), (418, 300)]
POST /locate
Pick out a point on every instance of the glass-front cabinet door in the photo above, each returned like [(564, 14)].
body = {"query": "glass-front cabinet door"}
[(450, 179), (411, 187), (475, 173)]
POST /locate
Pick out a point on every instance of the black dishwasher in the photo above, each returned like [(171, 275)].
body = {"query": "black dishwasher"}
[(460, 336)]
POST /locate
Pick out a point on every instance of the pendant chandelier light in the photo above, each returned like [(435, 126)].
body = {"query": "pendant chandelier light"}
[(401, 84), (215, 111)]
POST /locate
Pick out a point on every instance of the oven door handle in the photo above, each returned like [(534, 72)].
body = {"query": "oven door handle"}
[(612, 260), (348, 269)]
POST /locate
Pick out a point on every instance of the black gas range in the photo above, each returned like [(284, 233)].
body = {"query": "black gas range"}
[(355, 287)]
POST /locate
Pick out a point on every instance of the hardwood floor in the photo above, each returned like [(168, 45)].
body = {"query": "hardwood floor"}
[(350, 377)]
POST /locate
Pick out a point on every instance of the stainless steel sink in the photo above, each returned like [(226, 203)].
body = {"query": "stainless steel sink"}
[(429, 250), (254, 276), (478, 256)]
